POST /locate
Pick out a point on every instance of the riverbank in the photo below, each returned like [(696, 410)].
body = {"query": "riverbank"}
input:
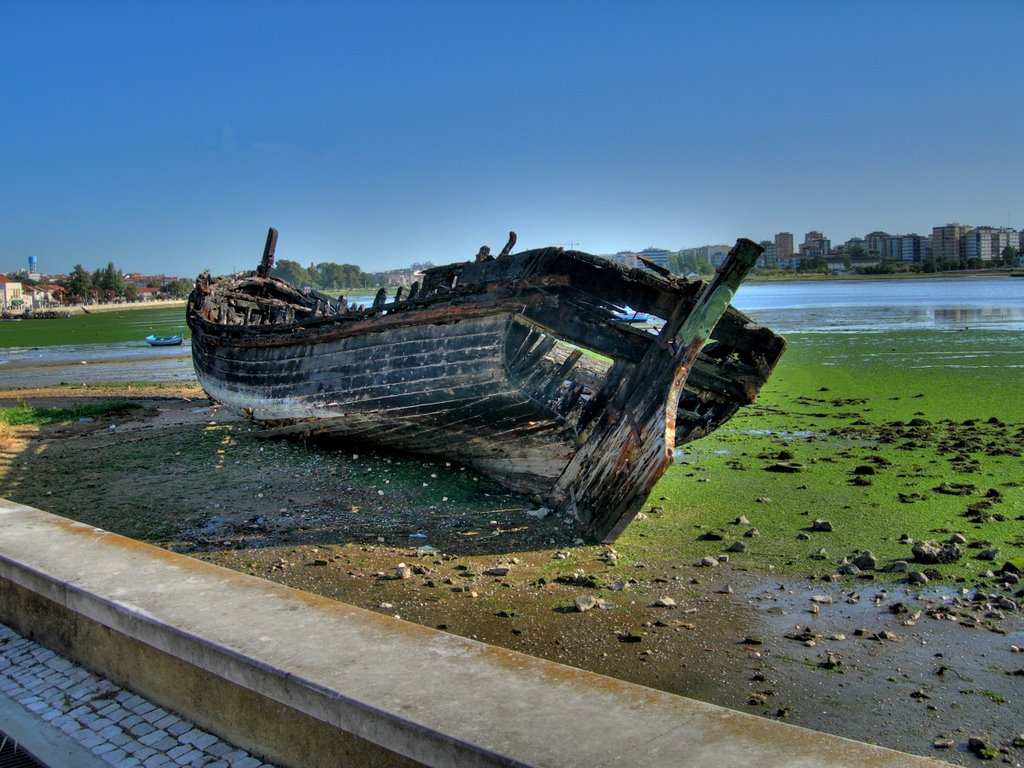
[(967, 274), (769, 627)]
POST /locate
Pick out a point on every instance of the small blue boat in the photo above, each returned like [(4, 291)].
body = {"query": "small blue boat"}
[(630, 316), (164, 341)]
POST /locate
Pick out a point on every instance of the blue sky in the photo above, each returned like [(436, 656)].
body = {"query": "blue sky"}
[(166, 137)]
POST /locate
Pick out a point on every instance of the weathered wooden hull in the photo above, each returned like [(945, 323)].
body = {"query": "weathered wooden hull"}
[(482, 366), (443, 389)]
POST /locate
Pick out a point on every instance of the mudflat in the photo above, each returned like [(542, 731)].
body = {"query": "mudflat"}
[(729, 588)]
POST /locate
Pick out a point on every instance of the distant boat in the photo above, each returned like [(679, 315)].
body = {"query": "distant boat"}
[(164, 341), (630, 316)]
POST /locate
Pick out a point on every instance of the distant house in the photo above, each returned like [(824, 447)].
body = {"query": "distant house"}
[(11, 294), (43, 296)]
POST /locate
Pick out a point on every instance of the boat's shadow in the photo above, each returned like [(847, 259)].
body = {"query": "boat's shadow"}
[(334, 494)]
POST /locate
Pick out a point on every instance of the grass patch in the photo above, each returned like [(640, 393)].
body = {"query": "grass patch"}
[(889, 430), (22, 414), (98, 328)]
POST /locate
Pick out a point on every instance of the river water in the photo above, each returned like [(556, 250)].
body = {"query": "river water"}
[(858, 306)]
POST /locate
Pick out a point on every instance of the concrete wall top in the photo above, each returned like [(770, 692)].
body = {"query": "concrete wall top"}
[(431, 696)]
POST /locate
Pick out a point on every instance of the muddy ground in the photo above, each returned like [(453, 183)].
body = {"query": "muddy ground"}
[(923, 670)]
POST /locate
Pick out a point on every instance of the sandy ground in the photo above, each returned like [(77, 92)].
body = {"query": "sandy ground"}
[(923, 671)]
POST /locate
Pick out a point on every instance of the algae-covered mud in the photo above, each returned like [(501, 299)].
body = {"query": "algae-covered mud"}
[(764, 574)]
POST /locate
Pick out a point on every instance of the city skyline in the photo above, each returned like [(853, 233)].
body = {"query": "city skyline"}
[(796, 245), (168, 137)]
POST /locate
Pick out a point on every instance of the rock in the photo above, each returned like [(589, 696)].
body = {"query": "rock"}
[(822, 599), (742, 520), (498, 570), (737, 546), (981, 748), (585, 603), (1014, 566), (931, 552), (715, 534), (943, 742), (787, 467), (917, 577), (897, 566), (848, 569), (803, 536), (988, 554), (664, 602), (957, 538), (752, 640), (403, 571), (866, 561), (752, 533), (823, 526), (864, 469), (707, 562)]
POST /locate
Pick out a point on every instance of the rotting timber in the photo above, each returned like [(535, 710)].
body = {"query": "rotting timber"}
[(514, 365)]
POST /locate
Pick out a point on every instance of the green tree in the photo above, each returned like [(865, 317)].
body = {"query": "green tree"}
[(78, 284), (179, 289), (294, 273)]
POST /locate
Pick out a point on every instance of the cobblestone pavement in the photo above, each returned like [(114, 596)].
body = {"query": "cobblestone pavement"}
[(117, 726)]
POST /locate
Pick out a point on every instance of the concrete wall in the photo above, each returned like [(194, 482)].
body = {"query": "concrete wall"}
[(306, 681)]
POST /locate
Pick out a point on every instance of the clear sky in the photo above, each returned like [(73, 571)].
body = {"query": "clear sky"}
[(167, 136)]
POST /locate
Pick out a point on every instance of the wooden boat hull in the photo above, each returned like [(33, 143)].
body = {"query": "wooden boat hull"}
[(483, 366), (445, 390)]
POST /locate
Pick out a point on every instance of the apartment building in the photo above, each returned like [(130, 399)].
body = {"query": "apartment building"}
[(947, 242), (988, 243)]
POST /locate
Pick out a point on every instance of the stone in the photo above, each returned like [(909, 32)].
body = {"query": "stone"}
[(957, 538), (917, 577), (403, 571), (897, 566), (585, 602), (707, 562), (848, 569), (823, 526), (786, 467), (715, 534), (932, 552), (866, 561), (752, 533), (664, 602), (988, 554), (498, 570), (737, 546), (742, 520)]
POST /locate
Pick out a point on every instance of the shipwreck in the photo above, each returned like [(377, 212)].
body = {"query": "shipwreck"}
[(521, 366)]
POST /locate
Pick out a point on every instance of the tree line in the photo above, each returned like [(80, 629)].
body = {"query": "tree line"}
[(327, 276), (107, 284)]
